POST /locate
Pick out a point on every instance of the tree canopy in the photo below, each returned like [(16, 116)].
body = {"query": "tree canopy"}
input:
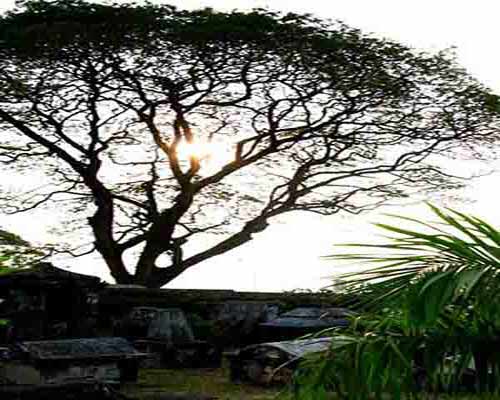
[(164, 124), (15, 252)]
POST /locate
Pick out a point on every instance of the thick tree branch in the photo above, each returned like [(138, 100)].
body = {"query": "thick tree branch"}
[(78, 166)]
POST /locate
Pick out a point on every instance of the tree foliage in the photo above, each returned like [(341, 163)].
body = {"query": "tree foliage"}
[(15, 252), (433, 313), (165, 124)]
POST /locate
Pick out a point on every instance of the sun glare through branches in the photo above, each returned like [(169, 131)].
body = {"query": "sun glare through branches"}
[(211, 154)]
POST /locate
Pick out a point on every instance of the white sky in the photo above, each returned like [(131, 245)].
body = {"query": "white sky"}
[(287, 255)]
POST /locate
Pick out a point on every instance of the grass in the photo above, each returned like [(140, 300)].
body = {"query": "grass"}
[(213, 382)]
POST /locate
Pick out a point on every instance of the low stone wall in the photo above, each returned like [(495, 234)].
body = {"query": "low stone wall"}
[(205, 309), (114, 298)]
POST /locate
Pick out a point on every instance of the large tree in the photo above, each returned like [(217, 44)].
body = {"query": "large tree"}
[(165, 124)]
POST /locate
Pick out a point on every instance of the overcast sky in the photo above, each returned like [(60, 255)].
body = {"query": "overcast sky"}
[(287, 255)]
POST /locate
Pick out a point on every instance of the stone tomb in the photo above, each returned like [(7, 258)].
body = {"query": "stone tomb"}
[(110, 360)]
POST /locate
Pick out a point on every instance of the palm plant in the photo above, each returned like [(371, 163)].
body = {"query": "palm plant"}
[(431, 312)]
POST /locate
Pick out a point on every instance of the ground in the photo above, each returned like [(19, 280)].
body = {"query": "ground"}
[(213, 382)]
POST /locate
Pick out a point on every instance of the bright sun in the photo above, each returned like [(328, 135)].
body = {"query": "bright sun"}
[(213, 155)]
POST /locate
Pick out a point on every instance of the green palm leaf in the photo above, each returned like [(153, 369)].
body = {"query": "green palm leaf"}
[(463, 250), (431, 297)]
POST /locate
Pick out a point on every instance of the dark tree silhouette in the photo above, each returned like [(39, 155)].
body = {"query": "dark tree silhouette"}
[(120, 105)]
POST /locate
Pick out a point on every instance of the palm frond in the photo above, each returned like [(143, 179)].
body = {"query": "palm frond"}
[(464, 252)]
